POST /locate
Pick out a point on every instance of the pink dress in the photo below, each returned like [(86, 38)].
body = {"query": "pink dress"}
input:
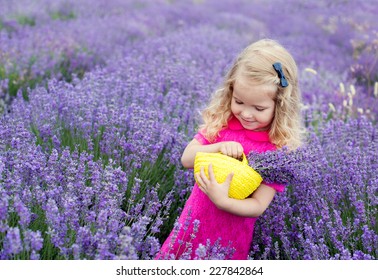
[(215, 225)]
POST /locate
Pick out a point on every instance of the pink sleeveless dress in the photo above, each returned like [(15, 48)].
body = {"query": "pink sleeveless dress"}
[(216, 226)]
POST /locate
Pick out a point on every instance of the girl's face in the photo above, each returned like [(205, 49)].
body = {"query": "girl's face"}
[(253, 105)]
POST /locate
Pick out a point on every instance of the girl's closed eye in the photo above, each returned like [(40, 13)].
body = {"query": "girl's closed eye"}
[(260, 109), (238, 102)]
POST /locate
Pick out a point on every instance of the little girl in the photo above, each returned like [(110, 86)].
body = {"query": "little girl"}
[(257, 109)]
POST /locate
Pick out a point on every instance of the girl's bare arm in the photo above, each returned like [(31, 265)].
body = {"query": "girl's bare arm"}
[(252, 206), (230, 148)]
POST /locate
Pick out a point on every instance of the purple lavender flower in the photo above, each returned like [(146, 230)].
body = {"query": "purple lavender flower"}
[(33, 241), (323, 215), (3, 205), (126, 247), (287, 167), (12, 243), (22, 211)]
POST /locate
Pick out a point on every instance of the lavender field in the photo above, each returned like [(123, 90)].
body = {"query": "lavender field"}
[(99, 98)]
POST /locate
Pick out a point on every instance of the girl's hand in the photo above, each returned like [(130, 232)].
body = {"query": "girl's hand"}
[(231, 149), (218, 193)]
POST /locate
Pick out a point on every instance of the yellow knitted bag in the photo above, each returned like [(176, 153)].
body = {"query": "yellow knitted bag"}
[(245, 180)]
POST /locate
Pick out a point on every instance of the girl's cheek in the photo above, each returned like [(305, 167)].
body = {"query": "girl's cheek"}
[(268, 117), (239, 108), (234, 108)]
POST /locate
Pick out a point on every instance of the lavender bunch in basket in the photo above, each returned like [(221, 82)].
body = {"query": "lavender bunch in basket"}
[(284, 166)]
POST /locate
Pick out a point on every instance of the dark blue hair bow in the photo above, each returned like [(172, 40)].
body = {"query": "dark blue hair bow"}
[(283, 82)]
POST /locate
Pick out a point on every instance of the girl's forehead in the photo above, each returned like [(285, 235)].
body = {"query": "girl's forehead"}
[(243, 84)]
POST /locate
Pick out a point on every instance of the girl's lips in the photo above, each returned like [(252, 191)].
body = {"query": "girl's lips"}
[(249, 122)]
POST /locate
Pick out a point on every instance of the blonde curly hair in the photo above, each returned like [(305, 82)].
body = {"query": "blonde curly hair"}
[(255, 62)]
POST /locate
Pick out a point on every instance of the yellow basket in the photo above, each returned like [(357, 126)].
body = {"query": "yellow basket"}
[(245, 181)]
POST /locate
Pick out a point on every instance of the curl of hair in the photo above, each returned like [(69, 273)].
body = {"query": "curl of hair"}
[(255, 63)]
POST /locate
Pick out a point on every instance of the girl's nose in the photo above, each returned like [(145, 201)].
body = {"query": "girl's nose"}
[(247, 114)]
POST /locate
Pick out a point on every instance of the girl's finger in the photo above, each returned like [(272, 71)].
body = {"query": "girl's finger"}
[(198, 177), (240, 151), (203, 175), (199, 180), (229, 178), (235, 152), (228, 151), (211, 173)]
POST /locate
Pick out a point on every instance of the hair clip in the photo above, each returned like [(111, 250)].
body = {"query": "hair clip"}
[(283, 82)]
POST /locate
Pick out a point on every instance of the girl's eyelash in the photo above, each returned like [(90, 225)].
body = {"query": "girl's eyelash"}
[(257, 108), (237, 101)]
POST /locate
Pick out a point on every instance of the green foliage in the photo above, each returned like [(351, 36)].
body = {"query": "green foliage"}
[(38, 223), (151, 174), (58, 15), (23, 80), (26, 20)]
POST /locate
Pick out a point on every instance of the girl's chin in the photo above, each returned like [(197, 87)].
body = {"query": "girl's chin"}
[(248, 125), (253, 126)]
